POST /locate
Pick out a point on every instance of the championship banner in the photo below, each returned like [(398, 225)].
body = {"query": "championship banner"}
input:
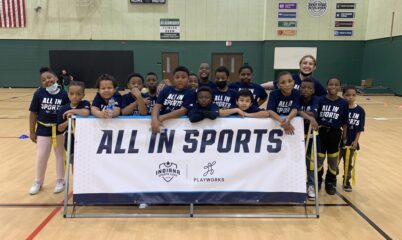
[(227, 160)]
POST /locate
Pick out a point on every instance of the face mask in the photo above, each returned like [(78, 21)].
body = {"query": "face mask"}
[(52, 88), (221, 84)]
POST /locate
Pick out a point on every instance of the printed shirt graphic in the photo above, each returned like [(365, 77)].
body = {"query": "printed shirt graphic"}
[(281, 104), (100, 103), (47, 105), (332, 114), (225, 100), (309, 106), (172, 99), (150, 105), (257, 91), (356, 122)]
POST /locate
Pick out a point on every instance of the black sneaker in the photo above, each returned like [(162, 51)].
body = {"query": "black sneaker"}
[(330, 188), (347, 187)]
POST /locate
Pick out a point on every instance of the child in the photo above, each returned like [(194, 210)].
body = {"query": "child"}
[(193, 81), (332, 118), (106, 85), (151, 82), (173, 101), (246, 75), (308, 111), (245, 107), (356, 120), (77, 106), (224, 97), (44, 107), (203, 72), (307, 66), (133, 102), (284, 101), (204, 108)]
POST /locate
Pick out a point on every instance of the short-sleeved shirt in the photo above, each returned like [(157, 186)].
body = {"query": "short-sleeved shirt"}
[(282, 104), (47, 106), (101, 103), (356, 122), (172, 99), (258, 92), (81, 105), (128, 98), (150, 105), (213, 108), (210, 84), (309, 106), (319, 90), (332, 113), (225, 100)]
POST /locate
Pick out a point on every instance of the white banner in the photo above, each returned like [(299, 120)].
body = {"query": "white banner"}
[(223, 160)]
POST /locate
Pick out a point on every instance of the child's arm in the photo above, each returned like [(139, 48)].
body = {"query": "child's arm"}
[(116, 111), (155, 122), (72, 112), (260, 114), (129, 109), (275, 116), (356, 141), (174, 114), (142, 106), (308, 116), (230, 111), (98, 113), (33, 118), (62, 126), (344, 133)]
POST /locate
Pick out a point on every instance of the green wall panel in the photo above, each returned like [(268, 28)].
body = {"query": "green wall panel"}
[(21, 59)]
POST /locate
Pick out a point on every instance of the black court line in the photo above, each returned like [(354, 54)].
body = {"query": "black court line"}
[(364, 216), (199, 205)]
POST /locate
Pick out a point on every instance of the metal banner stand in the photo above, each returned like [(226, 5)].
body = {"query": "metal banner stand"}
[(191, 213)]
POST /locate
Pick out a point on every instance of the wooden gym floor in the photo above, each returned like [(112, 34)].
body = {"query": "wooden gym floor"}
[(372, 211)]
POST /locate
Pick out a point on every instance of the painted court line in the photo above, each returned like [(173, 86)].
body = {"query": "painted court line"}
[(364, 216), (39, 228)]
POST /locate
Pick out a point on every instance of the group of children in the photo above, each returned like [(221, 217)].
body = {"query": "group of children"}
[(338, 121)]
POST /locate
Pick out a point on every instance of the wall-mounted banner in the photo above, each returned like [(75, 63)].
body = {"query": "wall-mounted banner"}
[(287, 23), (344, 15), (286, 14), (287, 6), (317, 8), (227, 160), (287, 32), (345, 5), (344, 23), (169, 28), (339, 33)]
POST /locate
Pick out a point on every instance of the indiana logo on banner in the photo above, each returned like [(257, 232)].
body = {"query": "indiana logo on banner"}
[(12, 14)]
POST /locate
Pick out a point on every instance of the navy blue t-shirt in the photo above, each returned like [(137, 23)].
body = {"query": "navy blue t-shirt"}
[(210, 84), (128, 98), (356, 121), (332, 114), (251, 109), (101, 103), (84, 104), (319, 90), (172, 99), (258, 91), (150, 105), (47, 106), (212, 108), (225, 100), (281, 104), (309, 106)]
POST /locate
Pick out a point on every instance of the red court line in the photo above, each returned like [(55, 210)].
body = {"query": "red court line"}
[(47, 220)]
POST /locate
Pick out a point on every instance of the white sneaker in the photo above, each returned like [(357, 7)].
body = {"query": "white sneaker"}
[(143, 205), (310, 192), (36, 186), (59, 186)]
